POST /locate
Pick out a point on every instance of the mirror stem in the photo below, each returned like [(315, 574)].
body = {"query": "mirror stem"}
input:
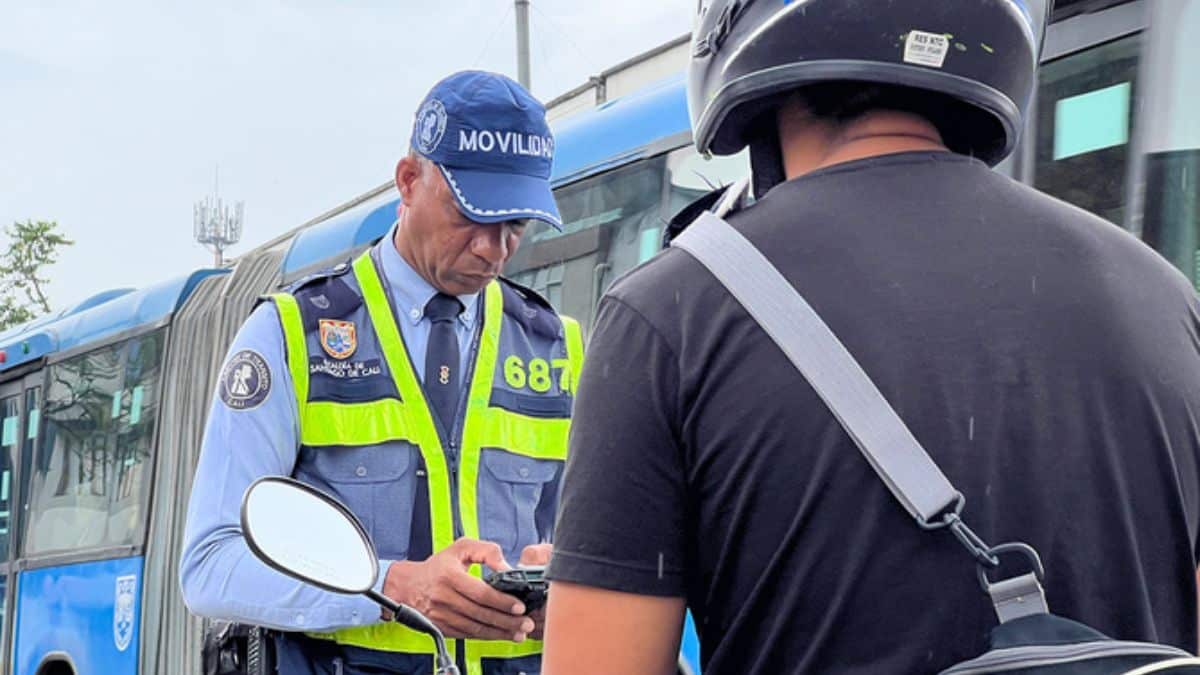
[(415, 620)]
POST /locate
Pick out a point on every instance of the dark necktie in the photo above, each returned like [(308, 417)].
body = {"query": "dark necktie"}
[(441, 390), (441, 358)]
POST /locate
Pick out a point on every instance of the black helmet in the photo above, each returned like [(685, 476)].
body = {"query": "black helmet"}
[(980, 56)]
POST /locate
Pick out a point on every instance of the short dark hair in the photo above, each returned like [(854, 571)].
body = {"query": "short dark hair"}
[(965, 129)]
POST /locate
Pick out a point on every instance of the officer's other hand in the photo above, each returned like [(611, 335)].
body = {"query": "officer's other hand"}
[(537, 554), (461, 605)]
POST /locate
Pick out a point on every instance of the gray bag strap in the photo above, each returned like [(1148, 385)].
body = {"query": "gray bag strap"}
[(883, 438)]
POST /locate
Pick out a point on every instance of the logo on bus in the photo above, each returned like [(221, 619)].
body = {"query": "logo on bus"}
[(123, 615)]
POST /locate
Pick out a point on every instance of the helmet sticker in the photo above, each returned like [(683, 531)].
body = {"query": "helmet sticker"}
[(926, 49)]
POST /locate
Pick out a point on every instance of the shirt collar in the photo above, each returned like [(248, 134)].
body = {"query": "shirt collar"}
[(411, 292)]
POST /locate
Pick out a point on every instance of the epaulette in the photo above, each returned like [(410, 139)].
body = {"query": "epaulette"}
[(528, 308), (324, 295), (335, 271)]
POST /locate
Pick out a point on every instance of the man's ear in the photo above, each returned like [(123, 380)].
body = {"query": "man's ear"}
[(408, 172)]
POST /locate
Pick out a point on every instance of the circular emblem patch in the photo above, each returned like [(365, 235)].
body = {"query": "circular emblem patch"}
[(245, 381), (431, 126)]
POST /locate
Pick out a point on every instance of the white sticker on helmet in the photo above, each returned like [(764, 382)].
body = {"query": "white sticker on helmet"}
[(926, 49)]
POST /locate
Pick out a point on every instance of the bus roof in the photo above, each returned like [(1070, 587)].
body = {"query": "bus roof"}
[(644, 123), (97, 318)]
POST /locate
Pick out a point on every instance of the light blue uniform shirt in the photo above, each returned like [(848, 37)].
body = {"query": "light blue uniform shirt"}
[(220, 577)]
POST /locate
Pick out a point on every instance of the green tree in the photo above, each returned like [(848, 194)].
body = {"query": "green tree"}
[(32, 247)]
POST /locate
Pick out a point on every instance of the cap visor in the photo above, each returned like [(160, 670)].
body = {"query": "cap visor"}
[(489, 197)]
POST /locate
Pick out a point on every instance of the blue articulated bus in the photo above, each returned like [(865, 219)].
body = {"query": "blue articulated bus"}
[(102, 405)]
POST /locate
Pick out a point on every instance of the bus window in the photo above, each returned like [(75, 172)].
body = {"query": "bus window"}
[(90, 469), (690, 176), (10, 431), (612, 223), (548, 281), (135, 437), (69, 475), (603, 219), (1086, 109), (33, 423), (1171, 123)]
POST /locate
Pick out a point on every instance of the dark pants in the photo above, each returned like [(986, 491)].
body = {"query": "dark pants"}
[(297, 654)]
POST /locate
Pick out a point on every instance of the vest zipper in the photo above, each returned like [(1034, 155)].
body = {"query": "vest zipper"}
[(454, 438)]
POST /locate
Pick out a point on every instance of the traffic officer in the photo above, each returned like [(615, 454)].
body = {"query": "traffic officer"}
[(1047, 360), (415, 385)]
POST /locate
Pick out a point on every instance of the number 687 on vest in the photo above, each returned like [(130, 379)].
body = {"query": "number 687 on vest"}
[(538, 375)]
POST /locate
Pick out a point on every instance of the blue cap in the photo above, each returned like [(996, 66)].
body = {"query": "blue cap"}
[(490, 139)]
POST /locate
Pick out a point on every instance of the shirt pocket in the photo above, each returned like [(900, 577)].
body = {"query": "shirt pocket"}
[(377, 483), (510, 487)]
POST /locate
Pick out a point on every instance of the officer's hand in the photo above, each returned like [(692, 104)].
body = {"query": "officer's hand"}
[(537, 554), (461, 605)]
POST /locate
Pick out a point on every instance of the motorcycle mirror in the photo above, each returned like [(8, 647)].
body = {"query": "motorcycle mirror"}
[(308, 535)]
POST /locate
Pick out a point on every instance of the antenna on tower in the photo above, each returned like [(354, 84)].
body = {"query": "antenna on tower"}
[(523, 74), (217, 225)]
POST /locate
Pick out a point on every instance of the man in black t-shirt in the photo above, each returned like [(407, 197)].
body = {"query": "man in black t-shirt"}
[(1048, 361)]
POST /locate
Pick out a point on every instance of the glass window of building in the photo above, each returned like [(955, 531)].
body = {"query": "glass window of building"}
[(1171, 135), (1085, 116)]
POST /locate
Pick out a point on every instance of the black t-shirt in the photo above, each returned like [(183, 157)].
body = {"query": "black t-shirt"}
[(1048, 361)]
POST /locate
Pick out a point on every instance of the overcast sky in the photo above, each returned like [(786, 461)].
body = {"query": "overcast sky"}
[(115, 113)]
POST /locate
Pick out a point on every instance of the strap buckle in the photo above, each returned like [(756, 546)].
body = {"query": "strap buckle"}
[(1014, 597), (1013, 547), (1018, 596), (984, 555), (974, 544)]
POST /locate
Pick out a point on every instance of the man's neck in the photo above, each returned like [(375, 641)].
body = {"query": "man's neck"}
[(808, 146)]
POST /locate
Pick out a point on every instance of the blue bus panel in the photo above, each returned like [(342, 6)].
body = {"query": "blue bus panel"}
[(689, 649), (87, 614), (341, 233), (620, 131), (99, 317)]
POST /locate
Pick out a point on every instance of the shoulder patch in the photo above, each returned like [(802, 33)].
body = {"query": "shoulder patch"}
[(245, 381), (335, 271), (528, 308), (325, 296)]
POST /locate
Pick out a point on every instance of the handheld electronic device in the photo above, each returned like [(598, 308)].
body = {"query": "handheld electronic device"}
[(527, 584)]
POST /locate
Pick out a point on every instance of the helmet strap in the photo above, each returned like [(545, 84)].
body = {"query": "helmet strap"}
[(766, 158)]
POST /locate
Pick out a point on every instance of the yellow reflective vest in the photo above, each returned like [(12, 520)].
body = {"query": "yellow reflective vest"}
[(367, 433)]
